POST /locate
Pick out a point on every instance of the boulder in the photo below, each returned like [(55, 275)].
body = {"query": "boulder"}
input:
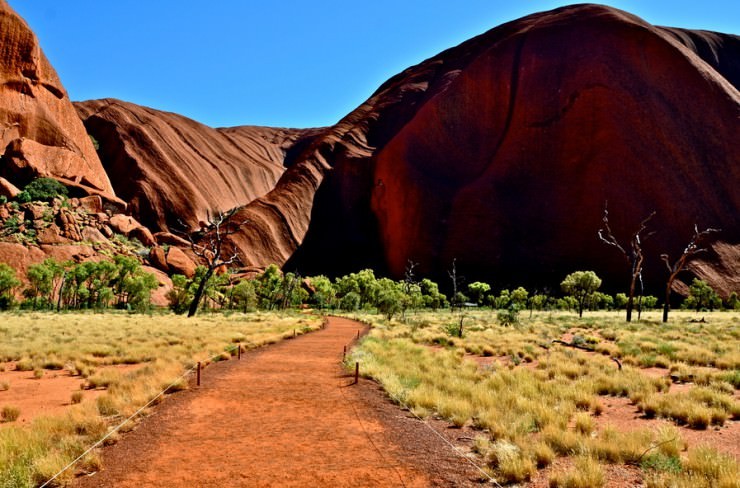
[(92, 204), (123, 224), (68, 224), (34, 211), (158, 258), (8, 189), (143, 235), (171, 239), (179, 263), (51, 234), (91, 234)]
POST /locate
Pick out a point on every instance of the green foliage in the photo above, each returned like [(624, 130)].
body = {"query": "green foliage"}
[(510, 316), (95, 142), (601, 301), (8, 283), (42, 189), (323, 292), (581, 285), (267, 287), (97, 285), (702, 296), (519, 297), (350, 302), (733, 302), (243, 296), (180, 295), (431, 297), (389, 297), (649, 302), (477, 291)]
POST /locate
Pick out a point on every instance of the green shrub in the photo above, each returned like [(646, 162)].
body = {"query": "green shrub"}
[(42, 189)]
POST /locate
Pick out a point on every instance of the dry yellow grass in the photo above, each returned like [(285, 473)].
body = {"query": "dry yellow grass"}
[(165, 345), (536, 399)]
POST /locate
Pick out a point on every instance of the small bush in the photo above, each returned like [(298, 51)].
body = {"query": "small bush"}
[(4, 386), (42, 189), (24, 364), (77, 397), (9, 413)]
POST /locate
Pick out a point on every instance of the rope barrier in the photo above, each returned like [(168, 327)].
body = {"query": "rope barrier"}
[(367, 434), (118, 427)]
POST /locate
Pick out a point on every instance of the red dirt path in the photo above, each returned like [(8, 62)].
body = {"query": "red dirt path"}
[(283, 416)]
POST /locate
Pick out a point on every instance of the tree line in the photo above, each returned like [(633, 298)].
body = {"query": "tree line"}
[(274, 290), (64, 285)]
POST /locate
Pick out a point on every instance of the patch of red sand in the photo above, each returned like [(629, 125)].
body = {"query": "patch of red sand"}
[(49, 395)]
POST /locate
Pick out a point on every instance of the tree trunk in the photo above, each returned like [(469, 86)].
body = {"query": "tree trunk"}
[(199, 292), (667, 302), (631, 298)]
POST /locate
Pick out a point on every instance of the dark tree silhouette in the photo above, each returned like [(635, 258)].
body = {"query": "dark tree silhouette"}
[(696, 245), (208, 243), (634, 256)]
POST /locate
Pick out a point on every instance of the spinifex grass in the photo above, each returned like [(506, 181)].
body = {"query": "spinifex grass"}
[(536, 399), (166, 345)]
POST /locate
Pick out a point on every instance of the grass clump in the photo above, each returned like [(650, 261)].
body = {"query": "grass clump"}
[(587, 473), (9, 413)]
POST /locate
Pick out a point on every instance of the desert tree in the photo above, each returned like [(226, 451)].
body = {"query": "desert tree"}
[(696, 245), (209, 244), (458, 298), (581, 285), (634, 256)]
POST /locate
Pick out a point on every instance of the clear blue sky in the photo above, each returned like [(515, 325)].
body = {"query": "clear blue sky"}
[(289, 63)]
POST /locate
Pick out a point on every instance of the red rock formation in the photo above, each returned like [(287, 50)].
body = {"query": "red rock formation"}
[(171, 168), (502, 151), (499, 153), (40, 133)]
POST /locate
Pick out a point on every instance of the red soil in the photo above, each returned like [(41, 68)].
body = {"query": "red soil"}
[(49, 395), (283, 416)]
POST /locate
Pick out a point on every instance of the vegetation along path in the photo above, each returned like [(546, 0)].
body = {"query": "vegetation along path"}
[(283, 416)]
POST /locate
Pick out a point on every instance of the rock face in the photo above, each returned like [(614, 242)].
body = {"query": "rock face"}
[(499, 153), (40, 133), (502, 152), (171, 168)]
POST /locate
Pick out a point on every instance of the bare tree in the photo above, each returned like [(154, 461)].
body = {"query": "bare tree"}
[(208, 244), (456, 281), (696, 245), (409, 277), (634, 256)]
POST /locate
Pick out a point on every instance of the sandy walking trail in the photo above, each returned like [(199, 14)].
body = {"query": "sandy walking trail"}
[(282, 416)]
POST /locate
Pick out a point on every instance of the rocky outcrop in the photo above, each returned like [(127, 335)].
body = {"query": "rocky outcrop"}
[(173, 170), (40, 133), (501, 153)]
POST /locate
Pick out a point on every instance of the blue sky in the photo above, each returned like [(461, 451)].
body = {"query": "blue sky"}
[(294, 64)]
